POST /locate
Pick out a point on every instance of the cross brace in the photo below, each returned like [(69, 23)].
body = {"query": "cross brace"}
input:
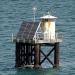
[(46, 56)]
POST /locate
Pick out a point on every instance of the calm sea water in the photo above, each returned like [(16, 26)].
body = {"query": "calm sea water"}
[(13, 12)]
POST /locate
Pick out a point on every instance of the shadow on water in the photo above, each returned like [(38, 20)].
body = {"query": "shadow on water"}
[(27, 71)]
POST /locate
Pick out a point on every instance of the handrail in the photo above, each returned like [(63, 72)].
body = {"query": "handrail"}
[(40, 36)]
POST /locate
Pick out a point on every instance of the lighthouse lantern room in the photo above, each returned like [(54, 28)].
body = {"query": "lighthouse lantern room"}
[(48, 27), (46, 30)]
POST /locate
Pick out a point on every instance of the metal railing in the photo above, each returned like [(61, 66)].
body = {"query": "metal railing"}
[(40, 36)]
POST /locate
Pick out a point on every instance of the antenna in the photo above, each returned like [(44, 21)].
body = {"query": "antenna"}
[(34, 11), (12, 37), (49, 13)]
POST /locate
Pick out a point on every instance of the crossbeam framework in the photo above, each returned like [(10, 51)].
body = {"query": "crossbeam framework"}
[(30, 54)]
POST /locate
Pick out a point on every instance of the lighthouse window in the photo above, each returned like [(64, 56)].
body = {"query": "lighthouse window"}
[(46, 20)]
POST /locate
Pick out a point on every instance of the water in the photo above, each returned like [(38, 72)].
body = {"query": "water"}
[(13, 12)]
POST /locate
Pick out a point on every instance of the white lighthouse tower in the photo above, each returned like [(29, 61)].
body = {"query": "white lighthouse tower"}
[(48, 27), (46, 31)]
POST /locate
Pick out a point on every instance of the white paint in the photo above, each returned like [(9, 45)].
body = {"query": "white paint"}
[(12, 37), (48, 27), (48, 17)]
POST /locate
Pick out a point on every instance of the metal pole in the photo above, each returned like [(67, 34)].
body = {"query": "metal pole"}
[(34, 11)]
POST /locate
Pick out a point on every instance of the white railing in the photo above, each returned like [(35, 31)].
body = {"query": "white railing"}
[(40, 37), (59, 36)]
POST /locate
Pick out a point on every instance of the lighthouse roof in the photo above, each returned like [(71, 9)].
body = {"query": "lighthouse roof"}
[(48, 17), (27, 30)]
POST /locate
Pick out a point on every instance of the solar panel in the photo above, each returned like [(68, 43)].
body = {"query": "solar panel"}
[(27, 30)]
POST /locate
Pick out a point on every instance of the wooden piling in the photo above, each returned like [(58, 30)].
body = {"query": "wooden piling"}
[(36, 56), (56, 56), (28, 54), (17, 53), (31, 54)]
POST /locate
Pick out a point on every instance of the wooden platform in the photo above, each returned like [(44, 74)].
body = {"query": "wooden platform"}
[(48, 41), (28, 66), (37, 41)]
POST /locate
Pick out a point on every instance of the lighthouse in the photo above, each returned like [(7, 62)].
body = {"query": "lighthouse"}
[(46, 30), (30, 39), (48, 27)]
